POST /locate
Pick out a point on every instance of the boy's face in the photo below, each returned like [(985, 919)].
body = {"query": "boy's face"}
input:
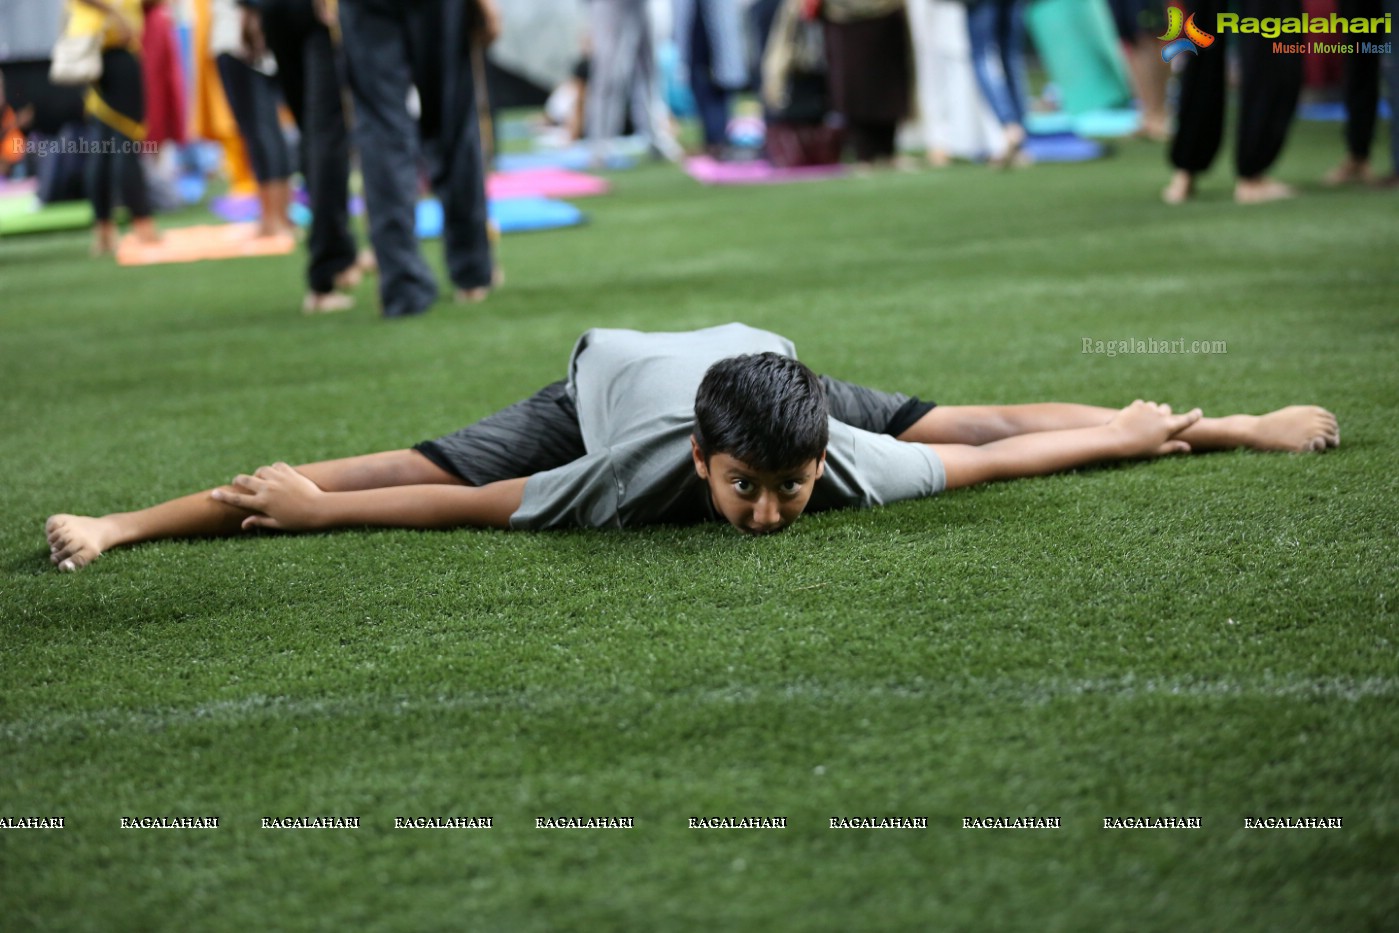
[(757, 502)]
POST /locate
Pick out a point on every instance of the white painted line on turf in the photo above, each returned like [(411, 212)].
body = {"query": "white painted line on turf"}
[(1006, 690)]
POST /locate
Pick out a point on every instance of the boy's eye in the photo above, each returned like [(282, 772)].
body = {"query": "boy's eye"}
[(792, 486), (743, 486)]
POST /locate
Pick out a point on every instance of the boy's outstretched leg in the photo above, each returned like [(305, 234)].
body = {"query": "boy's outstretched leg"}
[(77, 540), (1297, 428)]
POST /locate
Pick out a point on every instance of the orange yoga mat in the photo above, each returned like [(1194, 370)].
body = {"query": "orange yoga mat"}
[(192, 244)]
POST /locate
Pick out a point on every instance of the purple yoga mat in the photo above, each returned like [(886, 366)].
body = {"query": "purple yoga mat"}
[(19, 188), (236, 209), (758, 172)]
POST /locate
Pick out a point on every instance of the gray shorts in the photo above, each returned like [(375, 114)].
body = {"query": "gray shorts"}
[(541, 432)]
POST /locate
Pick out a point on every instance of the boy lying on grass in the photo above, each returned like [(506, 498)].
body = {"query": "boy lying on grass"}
[(627, 440)]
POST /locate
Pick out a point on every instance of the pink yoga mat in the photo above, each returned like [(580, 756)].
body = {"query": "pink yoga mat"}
[(758, 172), (543, 183)]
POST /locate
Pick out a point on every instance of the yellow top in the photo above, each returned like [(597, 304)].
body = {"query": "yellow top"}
[(84, 20)]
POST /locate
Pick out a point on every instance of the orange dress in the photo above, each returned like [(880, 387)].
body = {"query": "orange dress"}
[(11, 138), (210, 116)]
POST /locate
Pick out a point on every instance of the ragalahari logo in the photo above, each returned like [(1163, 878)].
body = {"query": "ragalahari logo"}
[(1178, 22)]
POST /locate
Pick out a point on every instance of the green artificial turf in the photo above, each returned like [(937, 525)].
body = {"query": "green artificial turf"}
[(1208, 637)]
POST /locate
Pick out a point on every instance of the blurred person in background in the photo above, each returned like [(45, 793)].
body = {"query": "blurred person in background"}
[(299, 35), (709, 37), (165, 103), (12, 127), (1269, 85), (622, 79), (116, 106), (390, 46), (870, 68), (254, 99), (1361, 90), (996, 29), (1138, 23), (1391, 79), (955, 119)]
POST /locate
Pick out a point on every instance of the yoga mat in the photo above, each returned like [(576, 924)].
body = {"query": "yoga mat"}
[(1048, 124), (708, 171), (22, 186), (1333, 111), (513, 215), (520, 215), (1077, 42), (28, 215), (543, 183), (193, 244), (1114, 122), (576, 158), (236, 208), (1103, 123), (1063, 147)]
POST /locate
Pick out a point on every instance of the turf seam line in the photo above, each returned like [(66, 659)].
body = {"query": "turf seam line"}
[(1346, 689)]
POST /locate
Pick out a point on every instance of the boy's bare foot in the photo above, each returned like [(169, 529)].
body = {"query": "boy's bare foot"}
[(1297, 428), (1261, 191), (1180, 189), (76, 540)]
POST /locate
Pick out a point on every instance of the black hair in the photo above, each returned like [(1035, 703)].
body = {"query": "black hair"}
[(764, 409)]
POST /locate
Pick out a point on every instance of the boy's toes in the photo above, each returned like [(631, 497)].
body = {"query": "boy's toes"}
[(74, 541)]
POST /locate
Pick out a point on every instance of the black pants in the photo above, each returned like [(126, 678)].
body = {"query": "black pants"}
[(115, 168), (1361, 85), (253, 98), (309, 72), (1270, 85), (390, 44)]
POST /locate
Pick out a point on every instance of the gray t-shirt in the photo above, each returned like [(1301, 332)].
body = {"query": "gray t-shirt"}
[(635, 394)]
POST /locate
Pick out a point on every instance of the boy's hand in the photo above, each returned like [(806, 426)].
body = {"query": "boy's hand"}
[(285, 499), (1149, 429)]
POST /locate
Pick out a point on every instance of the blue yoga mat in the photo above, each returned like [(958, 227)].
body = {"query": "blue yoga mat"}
[(1063, 147), (1114, 121), (576, 158), (1049, 124), (1333, 111), (1109, 122), (512, 215)]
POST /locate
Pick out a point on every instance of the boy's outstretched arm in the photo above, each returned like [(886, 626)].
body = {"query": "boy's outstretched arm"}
[(1142, 429), (285, 499)]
